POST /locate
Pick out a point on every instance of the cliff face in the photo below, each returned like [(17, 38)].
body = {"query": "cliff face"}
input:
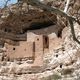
[(18, 24), (41, 57), (36, 45)]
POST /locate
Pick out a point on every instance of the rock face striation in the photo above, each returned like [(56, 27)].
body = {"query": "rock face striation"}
[(31, 53), (41, 57), (26, 39)]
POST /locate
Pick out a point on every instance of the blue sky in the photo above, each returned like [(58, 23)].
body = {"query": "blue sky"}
[(2, 2)]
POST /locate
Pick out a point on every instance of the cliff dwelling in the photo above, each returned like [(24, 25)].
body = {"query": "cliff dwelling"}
[(28, 37), (40, 40)]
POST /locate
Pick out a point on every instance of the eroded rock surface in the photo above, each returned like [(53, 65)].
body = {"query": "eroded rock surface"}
[(44, 55)]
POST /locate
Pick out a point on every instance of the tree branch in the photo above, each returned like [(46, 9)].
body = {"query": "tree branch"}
[(56, 11), (67, 6), (6, 2)]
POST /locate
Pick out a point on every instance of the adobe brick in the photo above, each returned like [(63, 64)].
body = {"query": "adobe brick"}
[(39, 43), (25, 49)]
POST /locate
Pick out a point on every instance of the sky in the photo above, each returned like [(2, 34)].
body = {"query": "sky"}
[(2, 2)]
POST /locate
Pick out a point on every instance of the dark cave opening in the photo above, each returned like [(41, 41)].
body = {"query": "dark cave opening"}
[(60, 33), (39, 25)]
